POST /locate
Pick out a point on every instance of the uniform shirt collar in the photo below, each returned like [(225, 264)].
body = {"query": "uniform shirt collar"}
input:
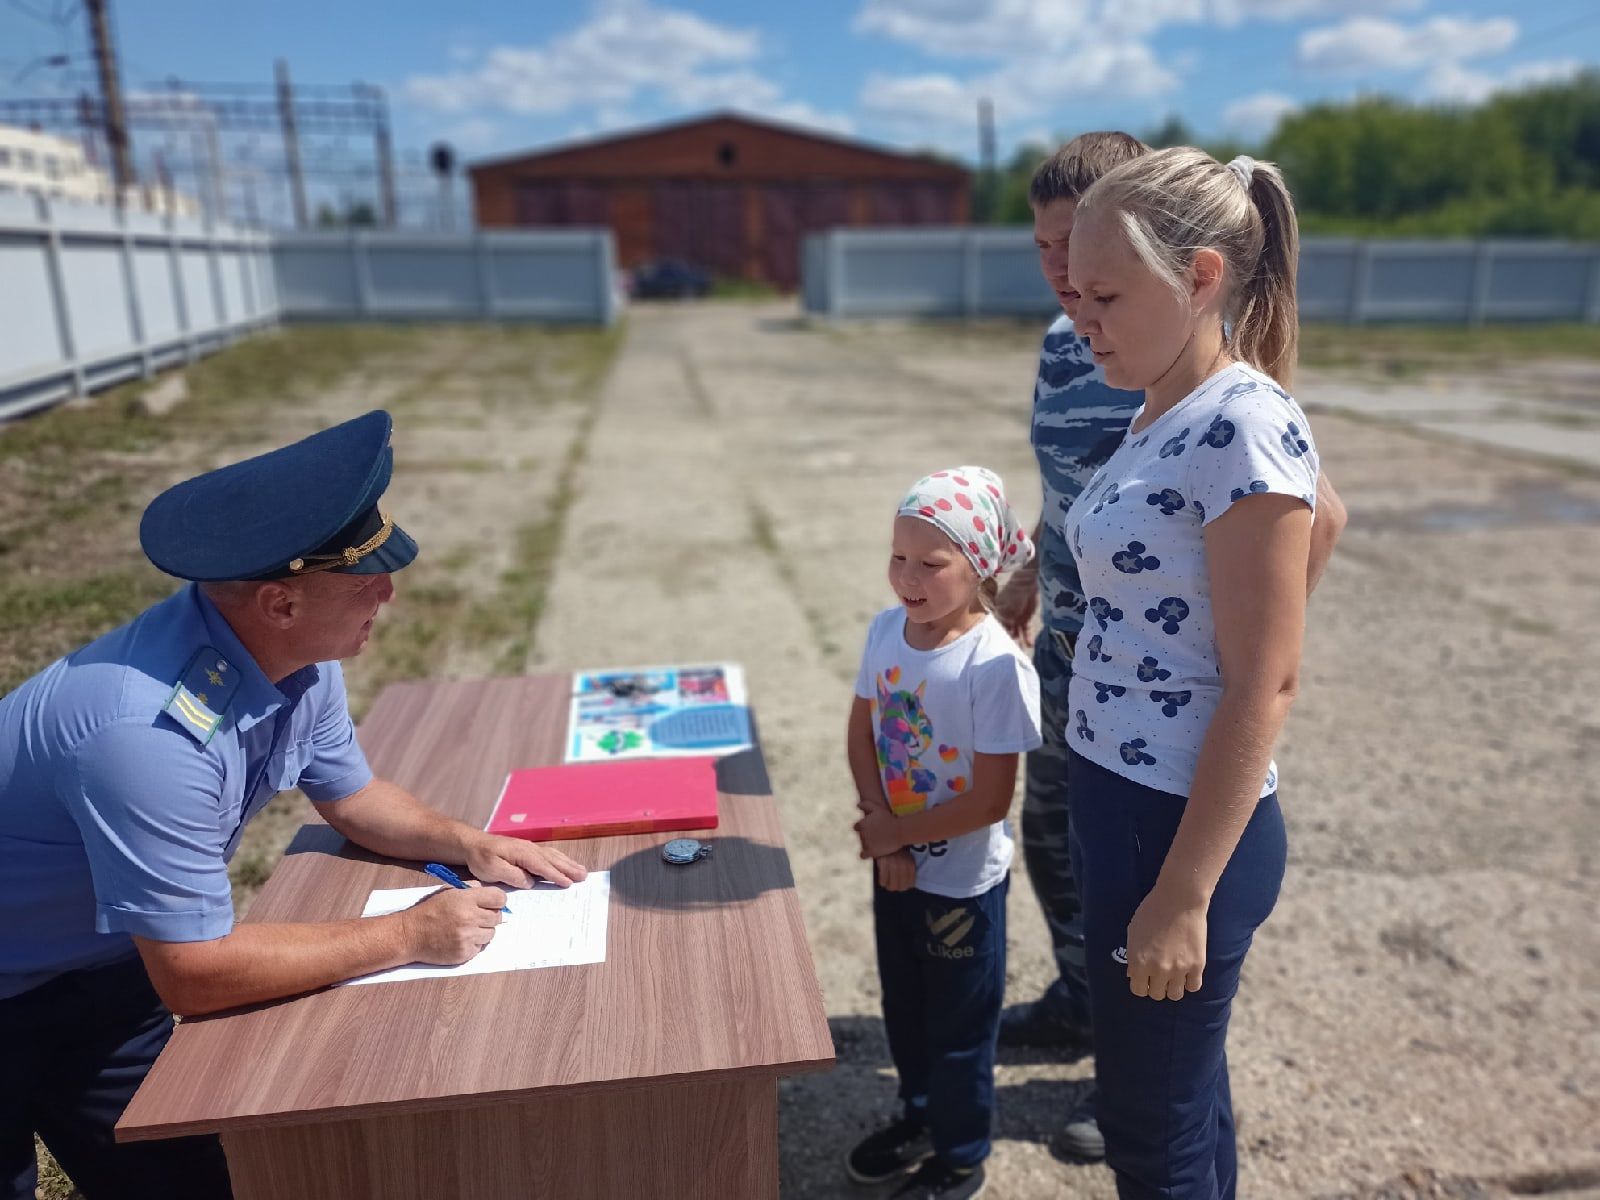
[(258, 697)]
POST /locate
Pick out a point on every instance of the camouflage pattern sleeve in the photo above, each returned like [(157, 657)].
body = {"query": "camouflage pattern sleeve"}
[(1078, 422)]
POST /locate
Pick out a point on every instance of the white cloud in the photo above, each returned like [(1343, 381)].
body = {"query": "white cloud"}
[(1022, 89), (473, 135), (912, 101), (1256, 116), (999, 28), (607, 61), (627, 54), (1233, 11), (1364, 44), (1457, 84)]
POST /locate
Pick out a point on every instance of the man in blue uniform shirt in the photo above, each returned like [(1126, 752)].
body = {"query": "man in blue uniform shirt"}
[(129, 768)]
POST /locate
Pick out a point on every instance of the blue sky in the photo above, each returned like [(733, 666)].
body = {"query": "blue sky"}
[(494, 78)]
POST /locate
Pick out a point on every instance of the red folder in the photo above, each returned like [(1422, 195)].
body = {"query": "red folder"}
[(579, 800)]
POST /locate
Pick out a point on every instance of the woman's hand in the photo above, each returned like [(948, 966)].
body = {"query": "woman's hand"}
[(897, 872), (879, 833), (1166, 947)]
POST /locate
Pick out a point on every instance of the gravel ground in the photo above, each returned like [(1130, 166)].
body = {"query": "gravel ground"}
[(1419, 1018)]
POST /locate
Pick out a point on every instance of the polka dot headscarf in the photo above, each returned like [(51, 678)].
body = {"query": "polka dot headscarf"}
[(968, 505)]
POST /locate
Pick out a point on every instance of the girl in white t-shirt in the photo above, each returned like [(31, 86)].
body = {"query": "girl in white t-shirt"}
[(1192, 544), (945, 703)]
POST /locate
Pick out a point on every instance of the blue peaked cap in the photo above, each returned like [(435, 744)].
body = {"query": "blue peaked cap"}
[(308, 507)]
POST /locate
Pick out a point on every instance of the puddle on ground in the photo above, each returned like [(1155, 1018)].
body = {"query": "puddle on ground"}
[(1517, 508)]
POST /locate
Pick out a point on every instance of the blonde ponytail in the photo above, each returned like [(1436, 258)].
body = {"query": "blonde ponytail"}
[(1173, 203), (1266, 329)]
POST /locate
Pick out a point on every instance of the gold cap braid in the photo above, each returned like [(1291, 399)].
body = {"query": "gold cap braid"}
[(348, 557)]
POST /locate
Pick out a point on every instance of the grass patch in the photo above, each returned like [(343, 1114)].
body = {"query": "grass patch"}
[(45, 617), (518, 605), (1409, 350), (696, 387), (765, 536), (728, 288), (74, 479)]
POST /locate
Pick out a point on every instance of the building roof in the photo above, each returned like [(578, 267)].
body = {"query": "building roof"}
[(699, 147)]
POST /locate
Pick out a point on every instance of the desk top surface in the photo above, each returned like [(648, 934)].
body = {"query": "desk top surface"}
[(707, 969)]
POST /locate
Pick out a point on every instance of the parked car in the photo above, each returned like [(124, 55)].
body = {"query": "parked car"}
[(670, 277)]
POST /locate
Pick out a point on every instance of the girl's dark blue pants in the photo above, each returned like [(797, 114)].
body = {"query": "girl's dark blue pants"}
[(1161, 1065), (942, 964)]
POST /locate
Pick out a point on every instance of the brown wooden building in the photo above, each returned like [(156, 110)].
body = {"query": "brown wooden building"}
[(730, 193)]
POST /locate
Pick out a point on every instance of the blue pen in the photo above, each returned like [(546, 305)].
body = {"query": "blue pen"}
[(445, 875)]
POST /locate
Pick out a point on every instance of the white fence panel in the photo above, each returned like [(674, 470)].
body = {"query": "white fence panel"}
[(995, 272), (91, 297), (545, 275)]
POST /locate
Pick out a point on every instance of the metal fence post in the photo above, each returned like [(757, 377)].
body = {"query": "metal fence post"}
[(1591, 312), (180, 290), (1360, 275), (970, 267), (833, 254), (1482, 267), (130, 284), (610, 284), (485, 273), (247, 279), (58, 293), (363, 272), (219, 294)]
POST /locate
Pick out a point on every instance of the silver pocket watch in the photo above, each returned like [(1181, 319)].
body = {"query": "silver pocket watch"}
[(683, 851)]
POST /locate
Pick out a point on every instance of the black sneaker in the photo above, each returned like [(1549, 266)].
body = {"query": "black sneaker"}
[(937, 1181), (889, 1153), (1080, 1140), (1042, 1024)]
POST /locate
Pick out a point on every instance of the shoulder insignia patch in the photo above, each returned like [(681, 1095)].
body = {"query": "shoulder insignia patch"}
[(202, 693)]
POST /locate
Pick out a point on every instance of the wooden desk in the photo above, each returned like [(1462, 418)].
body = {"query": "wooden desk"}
[(651, 1074)]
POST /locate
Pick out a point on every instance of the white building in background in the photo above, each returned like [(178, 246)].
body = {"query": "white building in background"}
[(57, 168)]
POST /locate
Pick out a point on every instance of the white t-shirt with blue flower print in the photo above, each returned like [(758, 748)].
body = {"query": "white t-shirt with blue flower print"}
[(1145, 679)]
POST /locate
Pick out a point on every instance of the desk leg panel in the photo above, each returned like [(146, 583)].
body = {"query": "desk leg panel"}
[(683, 1140)]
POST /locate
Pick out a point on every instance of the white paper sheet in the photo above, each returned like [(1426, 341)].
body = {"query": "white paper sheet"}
[(547, 926)]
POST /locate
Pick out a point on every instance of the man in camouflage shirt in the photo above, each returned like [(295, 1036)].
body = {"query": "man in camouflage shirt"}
[(1078, 422)]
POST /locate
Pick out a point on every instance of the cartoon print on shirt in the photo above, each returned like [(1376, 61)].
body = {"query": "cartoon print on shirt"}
[(1104, 691), (1169, 614), (905, 739), (1133, 753), (1257, 486), (1083, 729), (1100, 609), (1218, 434), (1171, 702), (1174, 446), (1109, 496), (1170, 499), (1133, 560), (1095, 653), (1293, 444), (1242, 388), (1151, 671)]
